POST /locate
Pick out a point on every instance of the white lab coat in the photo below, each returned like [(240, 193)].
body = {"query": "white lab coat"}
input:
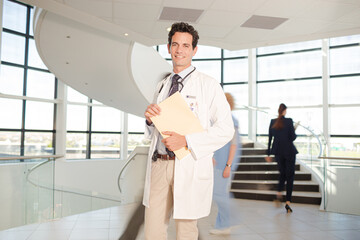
[(193, 175)]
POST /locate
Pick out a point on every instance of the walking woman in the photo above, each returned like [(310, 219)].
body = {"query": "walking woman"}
[(224, 158), (283, 131)]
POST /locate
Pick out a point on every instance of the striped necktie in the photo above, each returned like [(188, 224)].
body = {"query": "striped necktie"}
[(175, 84)]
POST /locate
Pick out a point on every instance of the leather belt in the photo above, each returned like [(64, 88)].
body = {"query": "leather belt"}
[(165, 157)]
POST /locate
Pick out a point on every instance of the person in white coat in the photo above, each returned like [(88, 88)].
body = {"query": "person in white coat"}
[(183, 188)]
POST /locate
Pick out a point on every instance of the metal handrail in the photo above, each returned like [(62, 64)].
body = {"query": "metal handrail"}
[(130, 158), (53, 158), (305, 127), (341, 158), (49, 158), (30, 157)]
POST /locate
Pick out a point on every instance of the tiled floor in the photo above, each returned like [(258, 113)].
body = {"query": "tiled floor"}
[(253, 220)]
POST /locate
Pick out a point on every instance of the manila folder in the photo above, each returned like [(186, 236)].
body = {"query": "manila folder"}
[(176, 116)]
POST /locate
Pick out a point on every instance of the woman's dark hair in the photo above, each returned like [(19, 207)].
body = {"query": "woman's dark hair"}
[(184, 27), (279, 123)]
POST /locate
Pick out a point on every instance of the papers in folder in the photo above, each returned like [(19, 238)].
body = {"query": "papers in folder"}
[(176, 116)]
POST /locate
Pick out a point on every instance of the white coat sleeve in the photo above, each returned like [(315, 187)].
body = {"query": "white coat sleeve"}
[(149, 129), (221, 129)]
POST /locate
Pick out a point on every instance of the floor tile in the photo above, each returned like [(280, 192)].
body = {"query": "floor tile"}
[(347, 234), (251, 220), (59, 234), (89, 234), (15, 235)]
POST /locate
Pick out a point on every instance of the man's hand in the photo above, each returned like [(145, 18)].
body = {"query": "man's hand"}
[(175, 141), (226, 172), (268, 159), (151, 111)]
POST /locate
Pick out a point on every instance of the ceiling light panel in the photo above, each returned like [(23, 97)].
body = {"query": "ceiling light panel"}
[(263, 22), (180, 14)]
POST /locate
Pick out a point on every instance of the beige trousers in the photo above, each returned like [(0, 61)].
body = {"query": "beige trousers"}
[(161, 205)]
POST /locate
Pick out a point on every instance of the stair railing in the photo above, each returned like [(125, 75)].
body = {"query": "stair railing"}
[(310, 151), (133, 172)]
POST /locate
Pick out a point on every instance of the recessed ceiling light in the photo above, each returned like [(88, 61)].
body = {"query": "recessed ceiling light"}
[(263, 22), (180, 14), (126, 34)]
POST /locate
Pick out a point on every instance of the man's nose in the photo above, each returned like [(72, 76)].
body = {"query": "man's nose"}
[(179, 49)]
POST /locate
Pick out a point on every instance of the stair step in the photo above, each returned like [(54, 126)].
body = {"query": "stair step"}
[(305, 186), (253, 151), (257, 163), (297, 197), (266, 175), (273, 181), (247, 144), (260, 167), (253, 158)]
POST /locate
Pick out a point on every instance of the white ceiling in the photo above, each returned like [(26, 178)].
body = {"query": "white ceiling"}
[(220, 23)]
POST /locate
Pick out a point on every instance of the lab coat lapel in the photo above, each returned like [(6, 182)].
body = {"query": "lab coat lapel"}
[(164, 91)]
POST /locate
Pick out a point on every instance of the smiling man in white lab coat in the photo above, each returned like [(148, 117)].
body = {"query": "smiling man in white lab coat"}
[(184, 187)]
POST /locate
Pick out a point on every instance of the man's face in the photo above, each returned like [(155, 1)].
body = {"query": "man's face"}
[(181, 51)]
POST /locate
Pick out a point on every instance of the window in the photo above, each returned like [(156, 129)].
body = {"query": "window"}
[(236, 70), (136, 128), (26, 125), (211, 68), (11, 113), (205, 52), (292, 93), (40, 84), (11, 80), (291, 65), (344, 66), (94, 131), (14, 16), (12, 48)]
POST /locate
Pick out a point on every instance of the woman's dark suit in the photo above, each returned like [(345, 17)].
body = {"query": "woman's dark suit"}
[(284, 150)]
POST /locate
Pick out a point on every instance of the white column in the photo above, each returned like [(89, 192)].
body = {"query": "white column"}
[(325, 88), (124, 138), (252, 93), (61, 119)]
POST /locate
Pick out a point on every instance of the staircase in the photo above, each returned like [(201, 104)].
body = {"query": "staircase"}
[(257, 179)]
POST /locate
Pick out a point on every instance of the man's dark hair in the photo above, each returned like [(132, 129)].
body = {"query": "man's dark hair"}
[(184, 27)]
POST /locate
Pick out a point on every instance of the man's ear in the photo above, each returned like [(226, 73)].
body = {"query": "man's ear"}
[(168, 46), (195, 50)]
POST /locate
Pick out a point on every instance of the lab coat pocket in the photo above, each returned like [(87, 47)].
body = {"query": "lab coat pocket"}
[(204, 168), (192, 103)]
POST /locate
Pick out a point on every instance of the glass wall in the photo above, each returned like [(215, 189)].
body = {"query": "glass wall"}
[(344, 65), (93, 129), (288, 73), (28, 99), (28, 89), (136, 128)]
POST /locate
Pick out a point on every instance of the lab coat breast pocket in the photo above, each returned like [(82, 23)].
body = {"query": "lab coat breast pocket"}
[(193, 104)]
